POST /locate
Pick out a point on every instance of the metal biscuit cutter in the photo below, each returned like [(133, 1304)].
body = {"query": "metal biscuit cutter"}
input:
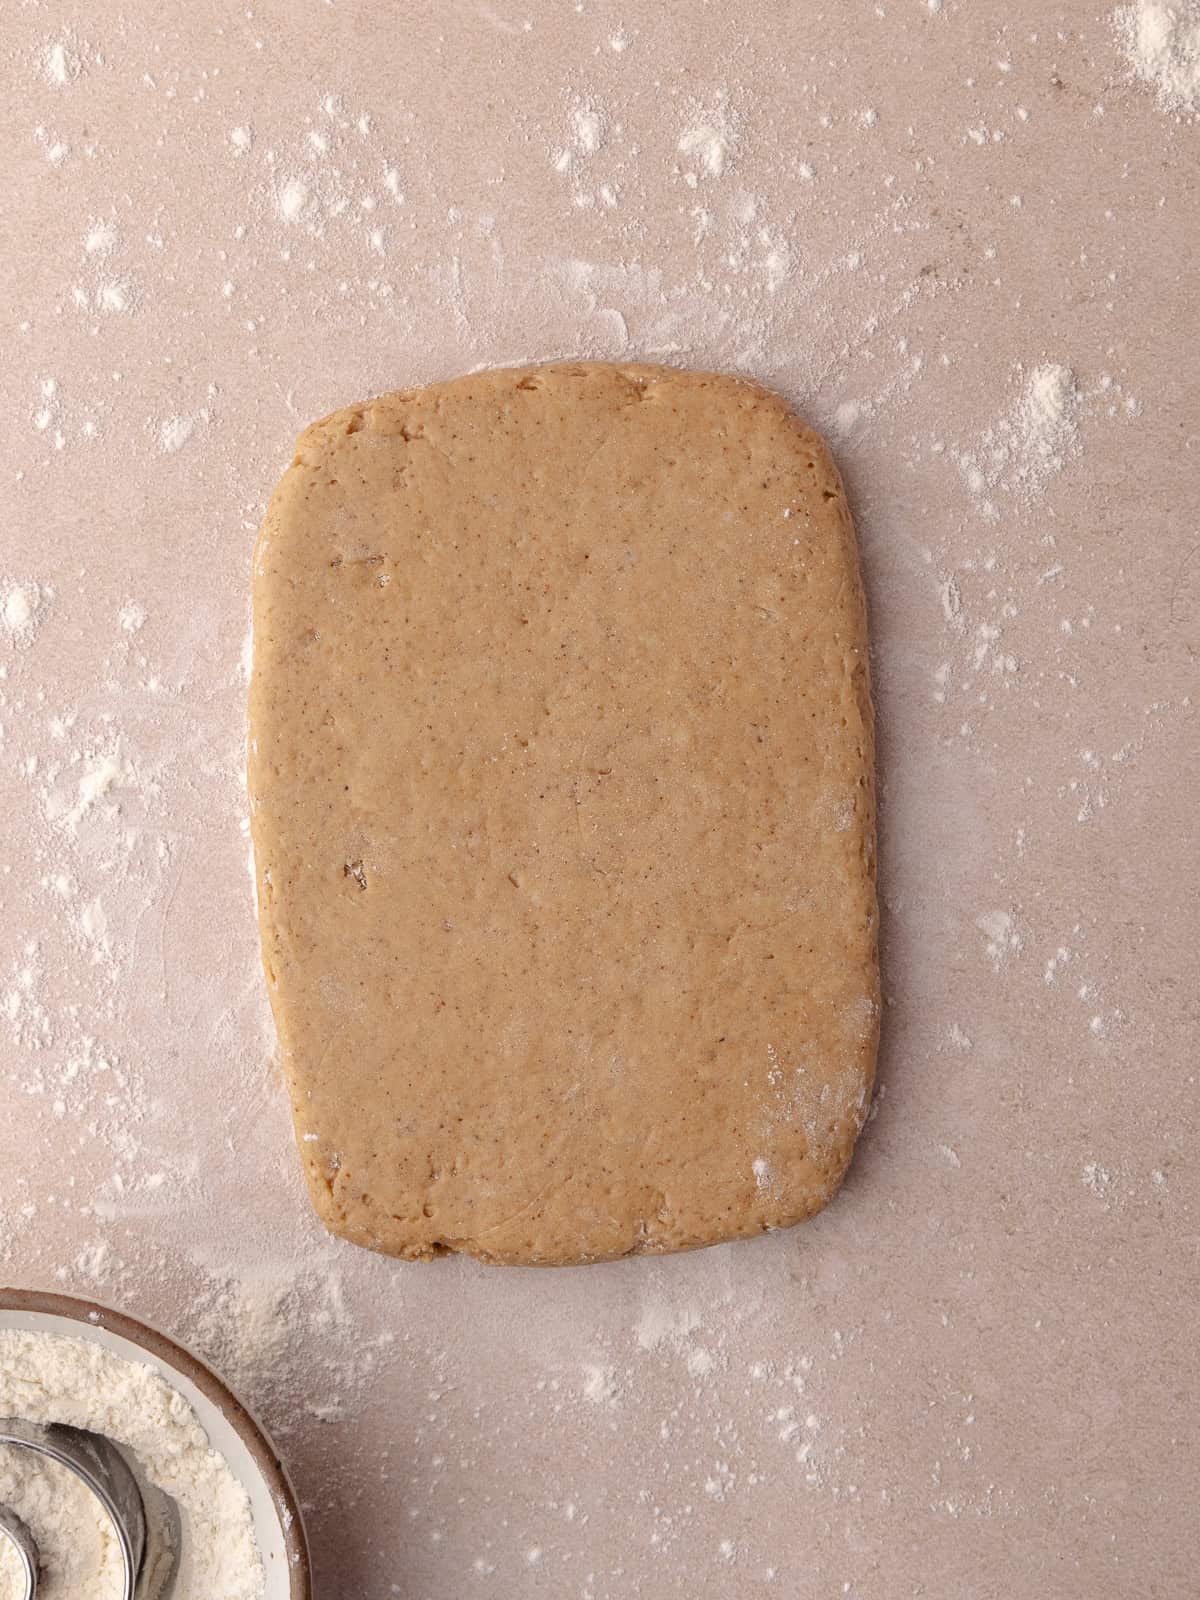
[(149, 1544)]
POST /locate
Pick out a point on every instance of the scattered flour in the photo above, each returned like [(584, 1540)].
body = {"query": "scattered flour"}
[(251, 1329), (1025, 448), (1000, 930), (294, 199), (101, 238), (599, 1384), (60, 63), (67, 809), (23, 606), (114, 294), (48, 1378), (1047, 416), (588, 129), (57, 150), (1162, 45), (846, 416), (709, 146), (174, 433), (93, 922), (660, 1323), (1099, 1180)]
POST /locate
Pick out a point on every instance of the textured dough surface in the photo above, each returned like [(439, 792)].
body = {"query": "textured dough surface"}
[(562, 793)]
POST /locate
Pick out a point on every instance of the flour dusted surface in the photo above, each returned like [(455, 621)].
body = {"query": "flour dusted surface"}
[(48, 1378), (917, 302), (1161, 39)]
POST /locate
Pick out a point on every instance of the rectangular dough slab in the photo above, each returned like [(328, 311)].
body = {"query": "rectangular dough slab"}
[(562, 793)]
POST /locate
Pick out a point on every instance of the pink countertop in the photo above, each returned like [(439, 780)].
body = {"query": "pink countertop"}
[(961, 238)]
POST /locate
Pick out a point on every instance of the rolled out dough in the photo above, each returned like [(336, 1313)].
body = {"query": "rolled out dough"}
[(561, 779)]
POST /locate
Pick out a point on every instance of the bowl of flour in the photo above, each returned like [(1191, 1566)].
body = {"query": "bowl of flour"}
[(70, 1361)]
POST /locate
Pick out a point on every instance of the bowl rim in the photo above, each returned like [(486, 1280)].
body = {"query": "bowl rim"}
[(92, 1314)]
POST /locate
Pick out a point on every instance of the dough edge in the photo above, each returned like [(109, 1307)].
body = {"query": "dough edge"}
[(391, 413)]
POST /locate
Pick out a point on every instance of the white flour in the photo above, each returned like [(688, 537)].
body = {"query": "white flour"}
[(79, 1555), (707, 146), (1162, 44), (46, 1378), (1029, 444), (60, 63), (21, 608)]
